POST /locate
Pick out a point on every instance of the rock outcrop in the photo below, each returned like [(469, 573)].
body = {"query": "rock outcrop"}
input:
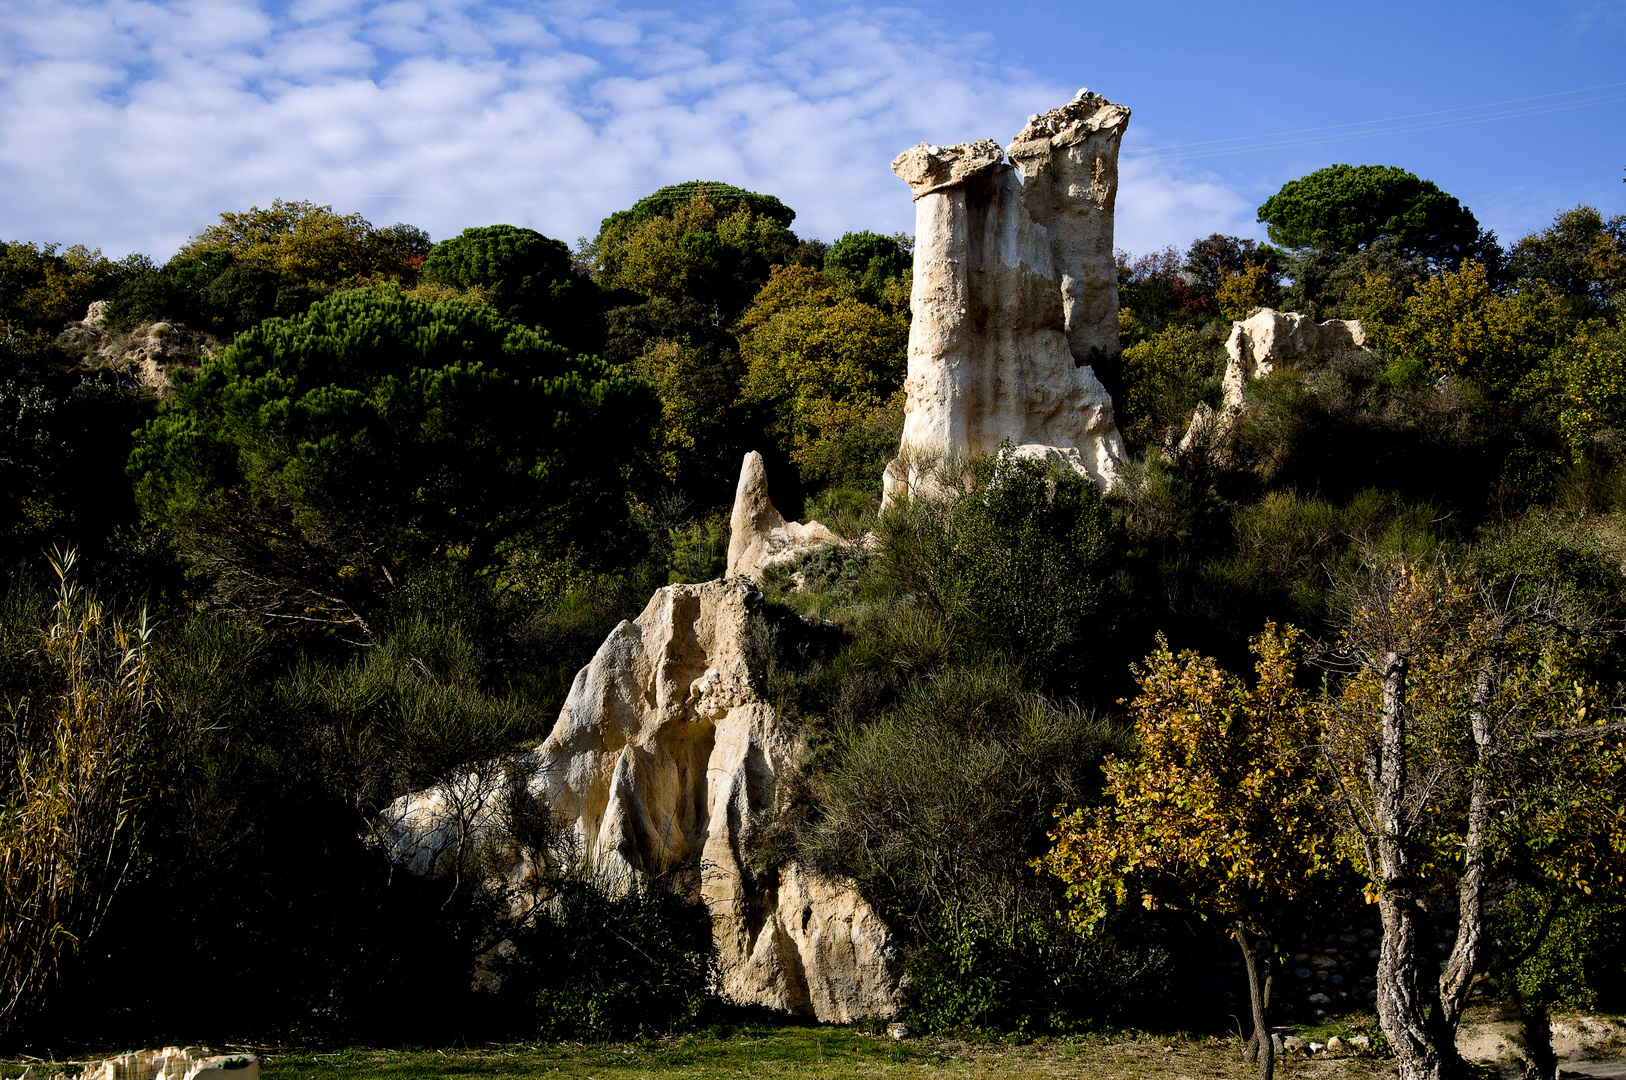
[(1014, 290), (759, 536), (1264, 342), (147, 351), (663, 755), (1270, 339), (1069, 162)]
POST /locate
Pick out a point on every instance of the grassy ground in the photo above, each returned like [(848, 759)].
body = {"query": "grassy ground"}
[(811, 1053)]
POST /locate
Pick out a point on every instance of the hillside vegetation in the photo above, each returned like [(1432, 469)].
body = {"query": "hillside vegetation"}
[(1074, 747)]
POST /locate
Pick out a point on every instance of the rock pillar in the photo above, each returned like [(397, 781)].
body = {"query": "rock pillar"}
[(1069, 162), (989, 353)]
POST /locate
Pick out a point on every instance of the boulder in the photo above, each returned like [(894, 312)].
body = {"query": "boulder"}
[(759, 536), (1011, 298)]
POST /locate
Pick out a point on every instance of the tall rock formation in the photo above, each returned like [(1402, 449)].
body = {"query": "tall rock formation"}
[(759, 536), (1014, 288), (1069, 162), (663, 755)]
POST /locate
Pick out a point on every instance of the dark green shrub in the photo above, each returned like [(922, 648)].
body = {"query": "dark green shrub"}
[(611, 965), (530, 279), (1017, 556), (865, 262)]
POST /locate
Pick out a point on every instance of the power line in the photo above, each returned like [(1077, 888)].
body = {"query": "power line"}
[(1282, 140)]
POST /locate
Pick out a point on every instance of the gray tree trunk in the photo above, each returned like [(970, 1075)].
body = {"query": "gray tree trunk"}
[(1402, 1004), (1261, 1044)]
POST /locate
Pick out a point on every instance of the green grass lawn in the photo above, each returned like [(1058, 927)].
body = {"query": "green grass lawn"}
[(807, 1053)]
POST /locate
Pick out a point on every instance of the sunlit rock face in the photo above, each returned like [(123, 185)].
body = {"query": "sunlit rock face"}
[(759, 536), (1269, 339), (663, 755), (1015, 289)]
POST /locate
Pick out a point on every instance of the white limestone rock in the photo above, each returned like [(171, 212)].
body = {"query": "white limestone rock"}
[(989, 351), (1069, 162), (1270, 339), (663, 754), (1259, 345), (759, 536)]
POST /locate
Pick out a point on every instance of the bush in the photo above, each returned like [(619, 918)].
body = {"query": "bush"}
[(611, 965), (1164, 378), (81, 759), (1017, 556)]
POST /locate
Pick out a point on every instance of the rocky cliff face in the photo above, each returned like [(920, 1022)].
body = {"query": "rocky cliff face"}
[(1270, 339), (1014, 288)]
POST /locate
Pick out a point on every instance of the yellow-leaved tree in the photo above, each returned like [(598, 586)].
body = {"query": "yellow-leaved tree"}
[(1220, 813), (825, 360)]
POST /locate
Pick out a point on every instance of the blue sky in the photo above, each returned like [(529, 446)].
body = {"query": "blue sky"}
[(130, 124)]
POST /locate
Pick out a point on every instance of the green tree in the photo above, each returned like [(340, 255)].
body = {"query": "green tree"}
[(529, 278), (1344, 208), (1581, 254), (310, 243), (41, 287), (717, 252), (1590, 372), (697, 442), (1456, 325), (1218, 813), (318, 461), (672, 198), (873, 267), (1456, 744), (1164, 377), (825, 362)]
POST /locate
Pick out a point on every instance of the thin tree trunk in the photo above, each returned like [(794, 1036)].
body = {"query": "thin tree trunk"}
[(1468, 953), (1266, 1050), (1402, 1006), (1541, 1063)]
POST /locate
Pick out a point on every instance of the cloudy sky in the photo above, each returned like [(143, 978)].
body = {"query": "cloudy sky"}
[(130, 124)]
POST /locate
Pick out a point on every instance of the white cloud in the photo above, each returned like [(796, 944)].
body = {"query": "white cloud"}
[(132, 123)]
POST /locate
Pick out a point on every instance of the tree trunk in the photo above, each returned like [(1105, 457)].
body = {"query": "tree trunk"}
[(1541, 1063), (1266, 1050), (1402, 1006), (1468, 952)]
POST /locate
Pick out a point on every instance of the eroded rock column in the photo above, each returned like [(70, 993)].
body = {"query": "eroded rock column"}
[(1069, 162), (989, 356)]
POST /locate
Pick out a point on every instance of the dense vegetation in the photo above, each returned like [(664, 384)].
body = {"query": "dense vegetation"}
[(363, 534)]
